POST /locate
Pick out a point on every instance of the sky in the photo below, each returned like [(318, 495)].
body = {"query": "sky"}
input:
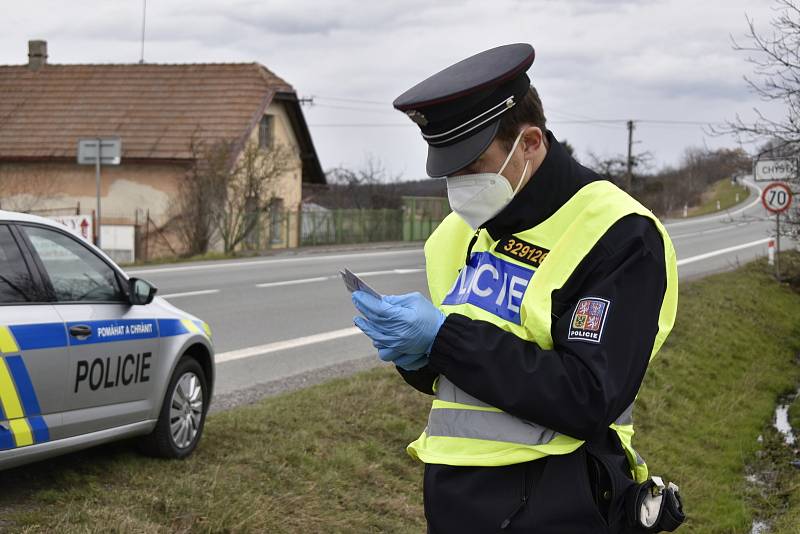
[(643, 60)]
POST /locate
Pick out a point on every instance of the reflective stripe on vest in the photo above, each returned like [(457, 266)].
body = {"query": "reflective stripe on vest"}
[(463, 430), (457, 414)]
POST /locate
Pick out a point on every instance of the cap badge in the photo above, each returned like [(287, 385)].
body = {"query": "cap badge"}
[(417, 117)]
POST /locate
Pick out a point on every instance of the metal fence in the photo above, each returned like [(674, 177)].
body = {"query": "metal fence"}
[(350, 226), (285, 229), (277, 229)]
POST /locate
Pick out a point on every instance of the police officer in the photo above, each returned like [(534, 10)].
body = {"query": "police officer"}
[(551, 290)]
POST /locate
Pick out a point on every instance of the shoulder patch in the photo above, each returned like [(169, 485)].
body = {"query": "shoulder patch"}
[(523, 251), (588, 319)]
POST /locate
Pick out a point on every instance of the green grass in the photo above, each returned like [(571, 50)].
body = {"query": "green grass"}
[(725, 192), (331, 458), (794, 416), (785, 480), (713, 389)]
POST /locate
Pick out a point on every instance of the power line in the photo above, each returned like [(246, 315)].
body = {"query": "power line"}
[(679, 123), (616, 124), (556, 111), (351, 108), (362, 125), (353, 100), (404, 125), (581, 119), (568, 114)]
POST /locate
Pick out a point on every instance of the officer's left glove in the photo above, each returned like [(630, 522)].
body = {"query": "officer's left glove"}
[(400, 326)]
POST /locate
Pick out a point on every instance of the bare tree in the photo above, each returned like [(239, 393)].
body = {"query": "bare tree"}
[(671, 188), (370, 187), (226, 190), (775, 56), (776, 78), (614, 168), (200, 195), (251, 185)]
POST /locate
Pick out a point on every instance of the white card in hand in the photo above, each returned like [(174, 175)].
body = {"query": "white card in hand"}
[(354, 283)]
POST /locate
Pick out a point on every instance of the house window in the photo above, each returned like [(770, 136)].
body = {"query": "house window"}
[(265, 132)]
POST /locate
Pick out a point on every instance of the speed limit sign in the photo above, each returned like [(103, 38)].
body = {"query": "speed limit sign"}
[(777, 197)]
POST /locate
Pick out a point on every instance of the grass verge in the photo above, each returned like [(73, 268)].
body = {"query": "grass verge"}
[(794, 417), (723, 191), (775, 487), (331, 458)]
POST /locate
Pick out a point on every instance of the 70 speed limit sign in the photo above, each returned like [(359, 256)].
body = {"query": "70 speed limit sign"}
[(777, 197)]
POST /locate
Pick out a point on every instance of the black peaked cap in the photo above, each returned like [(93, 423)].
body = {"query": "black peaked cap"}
[(459, 108)]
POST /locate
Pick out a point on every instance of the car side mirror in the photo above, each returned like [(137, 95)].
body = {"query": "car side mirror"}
[(141, 291)]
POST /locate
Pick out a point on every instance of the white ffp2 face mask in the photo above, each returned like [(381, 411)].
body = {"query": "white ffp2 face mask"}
[(476, 198)]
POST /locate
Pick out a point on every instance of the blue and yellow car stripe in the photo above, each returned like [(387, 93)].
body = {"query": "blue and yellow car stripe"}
[(177, 327), (20, 409), (21, 421)]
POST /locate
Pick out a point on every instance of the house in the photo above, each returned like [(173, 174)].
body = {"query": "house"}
[(159, 112)]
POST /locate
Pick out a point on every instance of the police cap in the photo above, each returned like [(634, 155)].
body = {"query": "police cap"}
[(459, 108)]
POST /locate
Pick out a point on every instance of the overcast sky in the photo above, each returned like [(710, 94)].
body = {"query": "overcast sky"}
[(595, 59)]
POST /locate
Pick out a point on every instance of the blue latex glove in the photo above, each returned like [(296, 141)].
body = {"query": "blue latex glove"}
[(409, 362), (402, 327)]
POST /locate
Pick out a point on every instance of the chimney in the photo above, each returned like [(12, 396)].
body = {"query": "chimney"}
[(37, 54)]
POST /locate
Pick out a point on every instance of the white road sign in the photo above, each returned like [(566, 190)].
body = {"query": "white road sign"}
[(770, 170), (777, 197), (110, 151), (80, 225)]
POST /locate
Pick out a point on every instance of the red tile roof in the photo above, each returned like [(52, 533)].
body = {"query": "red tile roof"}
[(155, 109)]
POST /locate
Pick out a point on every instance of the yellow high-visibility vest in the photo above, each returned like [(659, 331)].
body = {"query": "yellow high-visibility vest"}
[(503, 290)]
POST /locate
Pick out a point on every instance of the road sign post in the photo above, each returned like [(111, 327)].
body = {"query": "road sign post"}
[(98, 152), (777, 198)]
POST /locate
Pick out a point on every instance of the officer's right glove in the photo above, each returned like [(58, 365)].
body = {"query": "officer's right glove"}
[(406, 323)]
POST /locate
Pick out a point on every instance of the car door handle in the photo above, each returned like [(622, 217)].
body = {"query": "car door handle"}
[(80, 330)]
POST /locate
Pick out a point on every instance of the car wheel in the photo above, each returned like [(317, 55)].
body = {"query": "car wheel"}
[(183, 413)]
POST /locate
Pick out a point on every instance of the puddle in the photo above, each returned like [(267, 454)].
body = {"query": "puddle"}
[(782, 423), (790, 437)]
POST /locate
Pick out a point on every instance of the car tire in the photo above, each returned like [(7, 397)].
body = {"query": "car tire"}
[(183, 413)]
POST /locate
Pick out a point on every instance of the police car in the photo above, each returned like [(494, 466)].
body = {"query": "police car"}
[(89, 355)]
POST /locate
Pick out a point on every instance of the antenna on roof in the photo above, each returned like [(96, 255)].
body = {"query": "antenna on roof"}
[(144, 19)]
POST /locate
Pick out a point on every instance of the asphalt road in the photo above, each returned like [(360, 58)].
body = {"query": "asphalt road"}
[(280, 316)]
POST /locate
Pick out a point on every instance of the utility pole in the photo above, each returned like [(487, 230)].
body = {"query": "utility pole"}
[(629, 178), (307, 100)]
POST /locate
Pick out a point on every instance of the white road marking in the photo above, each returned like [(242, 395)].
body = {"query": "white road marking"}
[(709, 231), (294, 282), (336, 277), (719, 252), (250, 263), (261, 350), (391, 271), (189, 293)]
